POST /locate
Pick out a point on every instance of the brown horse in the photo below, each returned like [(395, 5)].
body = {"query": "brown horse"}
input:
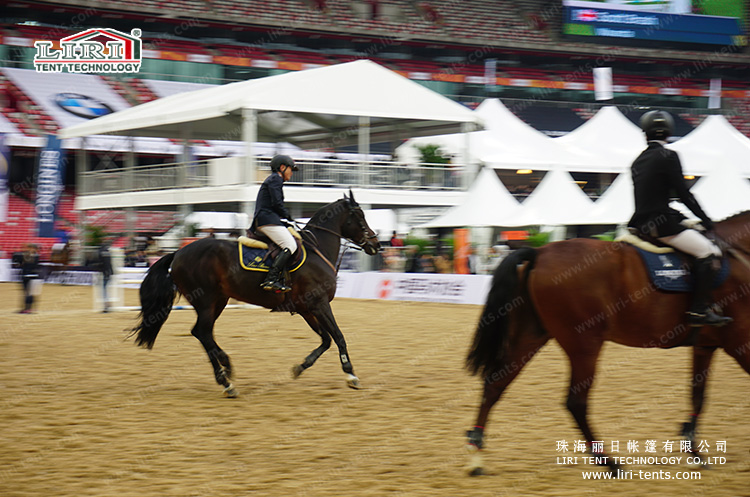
[(583, 292), (208, 273)]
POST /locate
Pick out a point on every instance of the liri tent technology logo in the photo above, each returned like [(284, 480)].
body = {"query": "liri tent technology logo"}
[(96, 50)]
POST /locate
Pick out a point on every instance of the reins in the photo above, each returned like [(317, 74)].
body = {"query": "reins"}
[(739, 253), (314, 246), (360, 245)]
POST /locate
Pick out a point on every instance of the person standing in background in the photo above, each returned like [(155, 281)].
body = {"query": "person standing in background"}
[(105, 267), (29, 263)]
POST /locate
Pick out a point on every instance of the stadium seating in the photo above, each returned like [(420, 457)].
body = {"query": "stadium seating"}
[(21, 225)]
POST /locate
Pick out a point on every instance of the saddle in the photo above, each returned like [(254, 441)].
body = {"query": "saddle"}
[(257, 252), (668, 268)]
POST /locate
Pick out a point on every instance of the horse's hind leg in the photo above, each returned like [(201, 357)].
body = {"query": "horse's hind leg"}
[(701, 367), (204, 332), (325, 345), (324, 316), (582, 372), (516, 357)]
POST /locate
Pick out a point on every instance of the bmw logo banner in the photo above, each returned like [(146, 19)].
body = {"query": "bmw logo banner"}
[(82, 105), (49, 186)]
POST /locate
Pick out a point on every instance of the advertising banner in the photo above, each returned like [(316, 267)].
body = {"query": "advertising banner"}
[(49, 186), (4, 168)]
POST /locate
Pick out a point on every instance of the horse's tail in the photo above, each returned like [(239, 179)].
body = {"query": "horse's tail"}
[(491, 337), (157, 296)]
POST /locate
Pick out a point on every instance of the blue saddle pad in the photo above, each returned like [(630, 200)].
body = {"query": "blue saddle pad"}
[(255, 259), (672, 271)]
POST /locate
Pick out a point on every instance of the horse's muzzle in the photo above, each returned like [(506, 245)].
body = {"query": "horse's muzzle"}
[(371, 249)]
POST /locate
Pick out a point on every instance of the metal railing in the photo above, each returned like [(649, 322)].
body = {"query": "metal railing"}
[(377, 174), (146, 178), (313, 172)]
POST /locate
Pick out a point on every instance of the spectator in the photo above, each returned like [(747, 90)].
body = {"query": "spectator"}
[(396, 241), (426, 263), (104, 265), (412, 259), (443, 263), (29, 263)]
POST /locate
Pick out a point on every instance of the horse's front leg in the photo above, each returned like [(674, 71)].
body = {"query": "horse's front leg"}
[(313, 356), (324, 316), (701, 367)]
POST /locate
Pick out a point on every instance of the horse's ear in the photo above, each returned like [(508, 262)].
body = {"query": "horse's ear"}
[(351, 197)]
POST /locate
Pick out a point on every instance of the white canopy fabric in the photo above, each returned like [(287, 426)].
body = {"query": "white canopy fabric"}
[(506, 143), (713, 145), (617, 203), (723, 193), (556, 201), (488, 203), (305, 108), (611, 137), (523, 147)]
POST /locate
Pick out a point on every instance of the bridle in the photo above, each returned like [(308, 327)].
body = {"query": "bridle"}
[(360, 245), (362, 226)]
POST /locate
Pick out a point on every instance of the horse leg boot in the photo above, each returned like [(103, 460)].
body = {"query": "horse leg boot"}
[(700, 313), (274, 281)]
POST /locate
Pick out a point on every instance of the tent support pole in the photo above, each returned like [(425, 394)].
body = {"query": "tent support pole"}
[(470, 167), (249, 137), (364, 149)]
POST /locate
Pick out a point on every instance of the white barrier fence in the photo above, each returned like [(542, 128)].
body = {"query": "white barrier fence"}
[(416, 287), (420, 287)]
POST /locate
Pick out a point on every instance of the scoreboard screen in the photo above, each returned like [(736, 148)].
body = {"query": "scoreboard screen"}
[(706, 22)]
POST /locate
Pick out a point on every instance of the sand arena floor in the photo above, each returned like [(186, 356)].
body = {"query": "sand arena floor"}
[(84, 413)]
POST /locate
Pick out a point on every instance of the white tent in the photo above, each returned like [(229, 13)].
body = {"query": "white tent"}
[(713, 145), (487, 203), (506, 143), (306, 108), (611, 137), (617, 203), (556, 201), (722, 194), (523, 147)]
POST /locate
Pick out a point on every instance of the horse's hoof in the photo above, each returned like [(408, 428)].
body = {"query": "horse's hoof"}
[(476, 472), (297, 370), (230, 392), (474, 467), (353, 382)]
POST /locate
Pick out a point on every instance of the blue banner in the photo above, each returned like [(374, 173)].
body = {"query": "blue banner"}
[(49, 186), (4, 168)]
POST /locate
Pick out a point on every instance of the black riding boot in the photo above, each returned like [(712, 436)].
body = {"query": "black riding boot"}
[(274, 281), (700, 313)]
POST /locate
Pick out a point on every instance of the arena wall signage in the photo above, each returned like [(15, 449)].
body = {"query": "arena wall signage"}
[(625, 21), (49, 186), (96, 50)]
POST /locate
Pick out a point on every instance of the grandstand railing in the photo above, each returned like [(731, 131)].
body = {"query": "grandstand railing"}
[(145, 178), (313, 172)]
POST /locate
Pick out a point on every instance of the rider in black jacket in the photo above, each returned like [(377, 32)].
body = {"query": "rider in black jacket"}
[(657, 173), (269, 211)]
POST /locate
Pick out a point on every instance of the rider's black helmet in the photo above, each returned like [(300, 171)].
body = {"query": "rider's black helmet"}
[(657, 124), (283, 160)]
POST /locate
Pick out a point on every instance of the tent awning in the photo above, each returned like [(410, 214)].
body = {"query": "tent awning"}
[(305, 108)]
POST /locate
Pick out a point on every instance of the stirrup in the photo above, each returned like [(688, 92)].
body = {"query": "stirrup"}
[(707, 318), (275, 286)]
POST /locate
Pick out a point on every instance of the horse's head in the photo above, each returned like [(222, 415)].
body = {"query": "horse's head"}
[(355, 228)]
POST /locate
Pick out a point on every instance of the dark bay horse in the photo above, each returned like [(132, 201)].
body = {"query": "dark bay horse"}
[(582, 292), (208, 273)]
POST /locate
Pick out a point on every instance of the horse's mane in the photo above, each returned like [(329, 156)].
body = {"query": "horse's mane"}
[(315, 219)]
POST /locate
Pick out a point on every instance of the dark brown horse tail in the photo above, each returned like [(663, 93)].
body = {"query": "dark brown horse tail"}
[(492, 335), (157, 296)]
